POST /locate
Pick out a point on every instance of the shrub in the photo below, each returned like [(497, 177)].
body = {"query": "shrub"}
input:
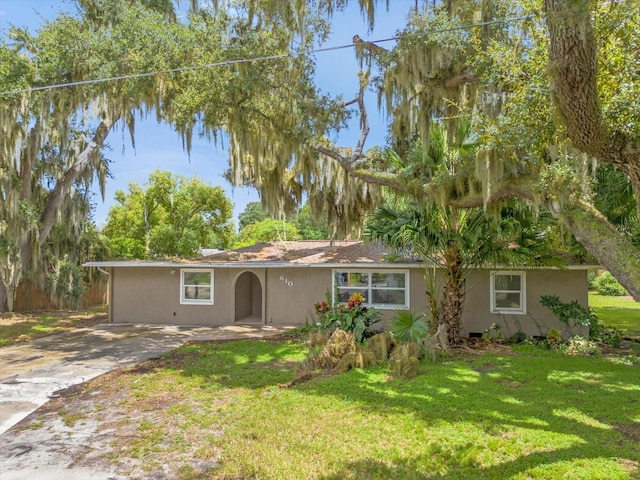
[(611, 336), (554, 337), (606, 284), (518, 337), (353, 316), (493, 333), (579, 346), (409, 326), (570, 314)]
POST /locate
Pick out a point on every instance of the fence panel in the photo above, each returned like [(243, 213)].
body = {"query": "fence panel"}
[(30, 297)]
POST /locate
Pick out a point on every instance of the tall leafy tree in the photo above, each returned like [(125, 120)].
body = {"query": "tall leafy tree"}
[(267, 230), (309, 227), (172, 216), (254, 212)]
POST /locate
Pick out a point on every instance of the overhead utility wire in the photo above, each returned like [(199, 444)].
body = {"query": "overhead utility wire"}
[(258, 59)]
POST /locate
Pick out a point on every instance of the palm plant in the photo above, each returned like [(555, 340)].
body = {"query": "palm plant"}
[(408, 326), (453, 240)]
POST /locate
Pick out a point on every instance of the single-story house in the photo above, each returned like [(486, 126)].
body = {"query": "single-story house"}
[(279, 283)]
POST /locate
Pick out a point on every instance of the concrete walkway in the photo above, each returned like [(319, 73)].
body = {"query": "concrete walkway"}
[(31, 372)]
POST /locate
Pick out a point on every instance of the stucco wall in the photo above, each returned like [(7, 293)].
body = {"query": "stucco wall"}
[(152, 295), (569, 285), (292, 293)]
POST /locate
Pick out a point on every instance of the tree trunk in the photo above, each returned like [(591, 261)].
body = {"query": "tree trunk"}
[(451, 310), (4, 299), (452, 295), (612, 250), (573, 68), (63, 187)]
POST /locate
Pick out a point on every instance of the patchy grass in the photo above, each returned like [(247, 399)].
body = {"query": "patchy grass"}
[(620, 312), (20, 327), (216, 411)]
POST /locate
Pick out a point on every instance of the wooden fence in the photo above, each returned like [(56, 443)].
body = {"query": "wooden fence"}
[(30, 297)]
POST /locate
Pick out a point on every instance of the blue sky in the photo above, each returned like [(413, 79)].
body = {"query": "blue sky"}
[(157, 146)]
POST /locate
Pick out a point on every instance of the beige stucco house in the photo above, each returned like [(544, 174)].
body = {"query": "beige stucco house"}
[(278, 283)]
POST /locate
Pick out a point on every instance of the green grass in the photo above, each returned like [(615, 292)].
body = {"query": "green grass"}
[(20, 327), (620, 312), (520, 415)]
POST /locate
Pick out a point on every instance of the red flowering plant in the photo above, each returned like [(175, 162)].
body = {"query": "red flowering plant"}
[(353, 316), (321, 307)]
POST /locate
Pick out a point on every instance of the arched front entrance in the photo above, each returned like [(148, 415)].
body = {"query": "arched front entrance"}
[(248, 299)]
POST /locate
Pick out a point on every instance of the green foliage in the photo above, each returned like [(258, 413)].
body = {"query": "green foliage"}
[(126, 248), (65, 283), (268, 230), (257, 225), (408, 326), (252, 213), (570, 314), (553, 337), (518, 337), (310, 226), (611, 336), (493, 333), (172, 216), (606, 284), (352, 316)]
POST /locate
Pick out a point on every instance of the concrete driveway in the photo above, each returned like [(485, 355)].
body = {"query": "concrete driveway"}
[(31, 372)]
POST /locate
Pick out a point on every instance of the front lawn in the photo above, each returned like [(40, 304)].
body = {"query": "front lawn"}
[(620, 312), (217, 411)]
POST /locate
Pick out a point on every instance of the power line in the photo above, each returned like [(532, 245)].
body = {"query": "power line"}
[(260, 59)]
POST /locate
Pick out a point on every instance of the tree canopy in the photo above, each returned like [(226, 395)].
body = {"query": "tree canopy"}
[(172, 216)]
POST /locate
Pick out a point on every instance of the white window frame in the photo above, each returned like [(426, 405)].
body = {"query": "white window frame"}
[(367, 290), (195, 301), (522, 310)]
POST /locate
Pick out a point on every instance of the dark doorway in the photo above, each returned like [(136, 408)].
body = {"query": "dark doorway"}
[(248, 299)]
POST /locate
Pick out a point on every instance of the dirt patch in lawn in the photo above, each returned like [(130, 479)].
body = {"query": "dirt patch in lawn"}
[(21, 327), (103, 427), (65, 317)]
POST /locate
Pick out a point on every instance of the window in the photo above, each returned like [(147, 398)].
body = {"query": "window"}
[(196, 286), (508, 292), (387, 289)]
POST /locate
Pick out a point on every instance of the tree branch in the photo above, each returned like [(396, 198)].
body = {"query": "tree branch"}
[(64, 184), (573, 67)]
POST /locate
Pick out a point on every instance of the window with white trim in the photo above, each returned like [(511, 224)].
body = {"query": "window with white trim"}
[(508, 292), (196, 286), (382, 289)]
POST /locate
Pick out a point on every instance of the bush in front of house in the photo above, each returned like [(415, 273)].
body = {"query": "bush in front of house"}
[(352, 316), (607, 284), (571, 314)]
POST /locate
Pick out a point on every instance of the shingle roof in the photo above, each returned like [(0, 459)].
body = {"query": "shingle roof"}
[(306, 252)]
